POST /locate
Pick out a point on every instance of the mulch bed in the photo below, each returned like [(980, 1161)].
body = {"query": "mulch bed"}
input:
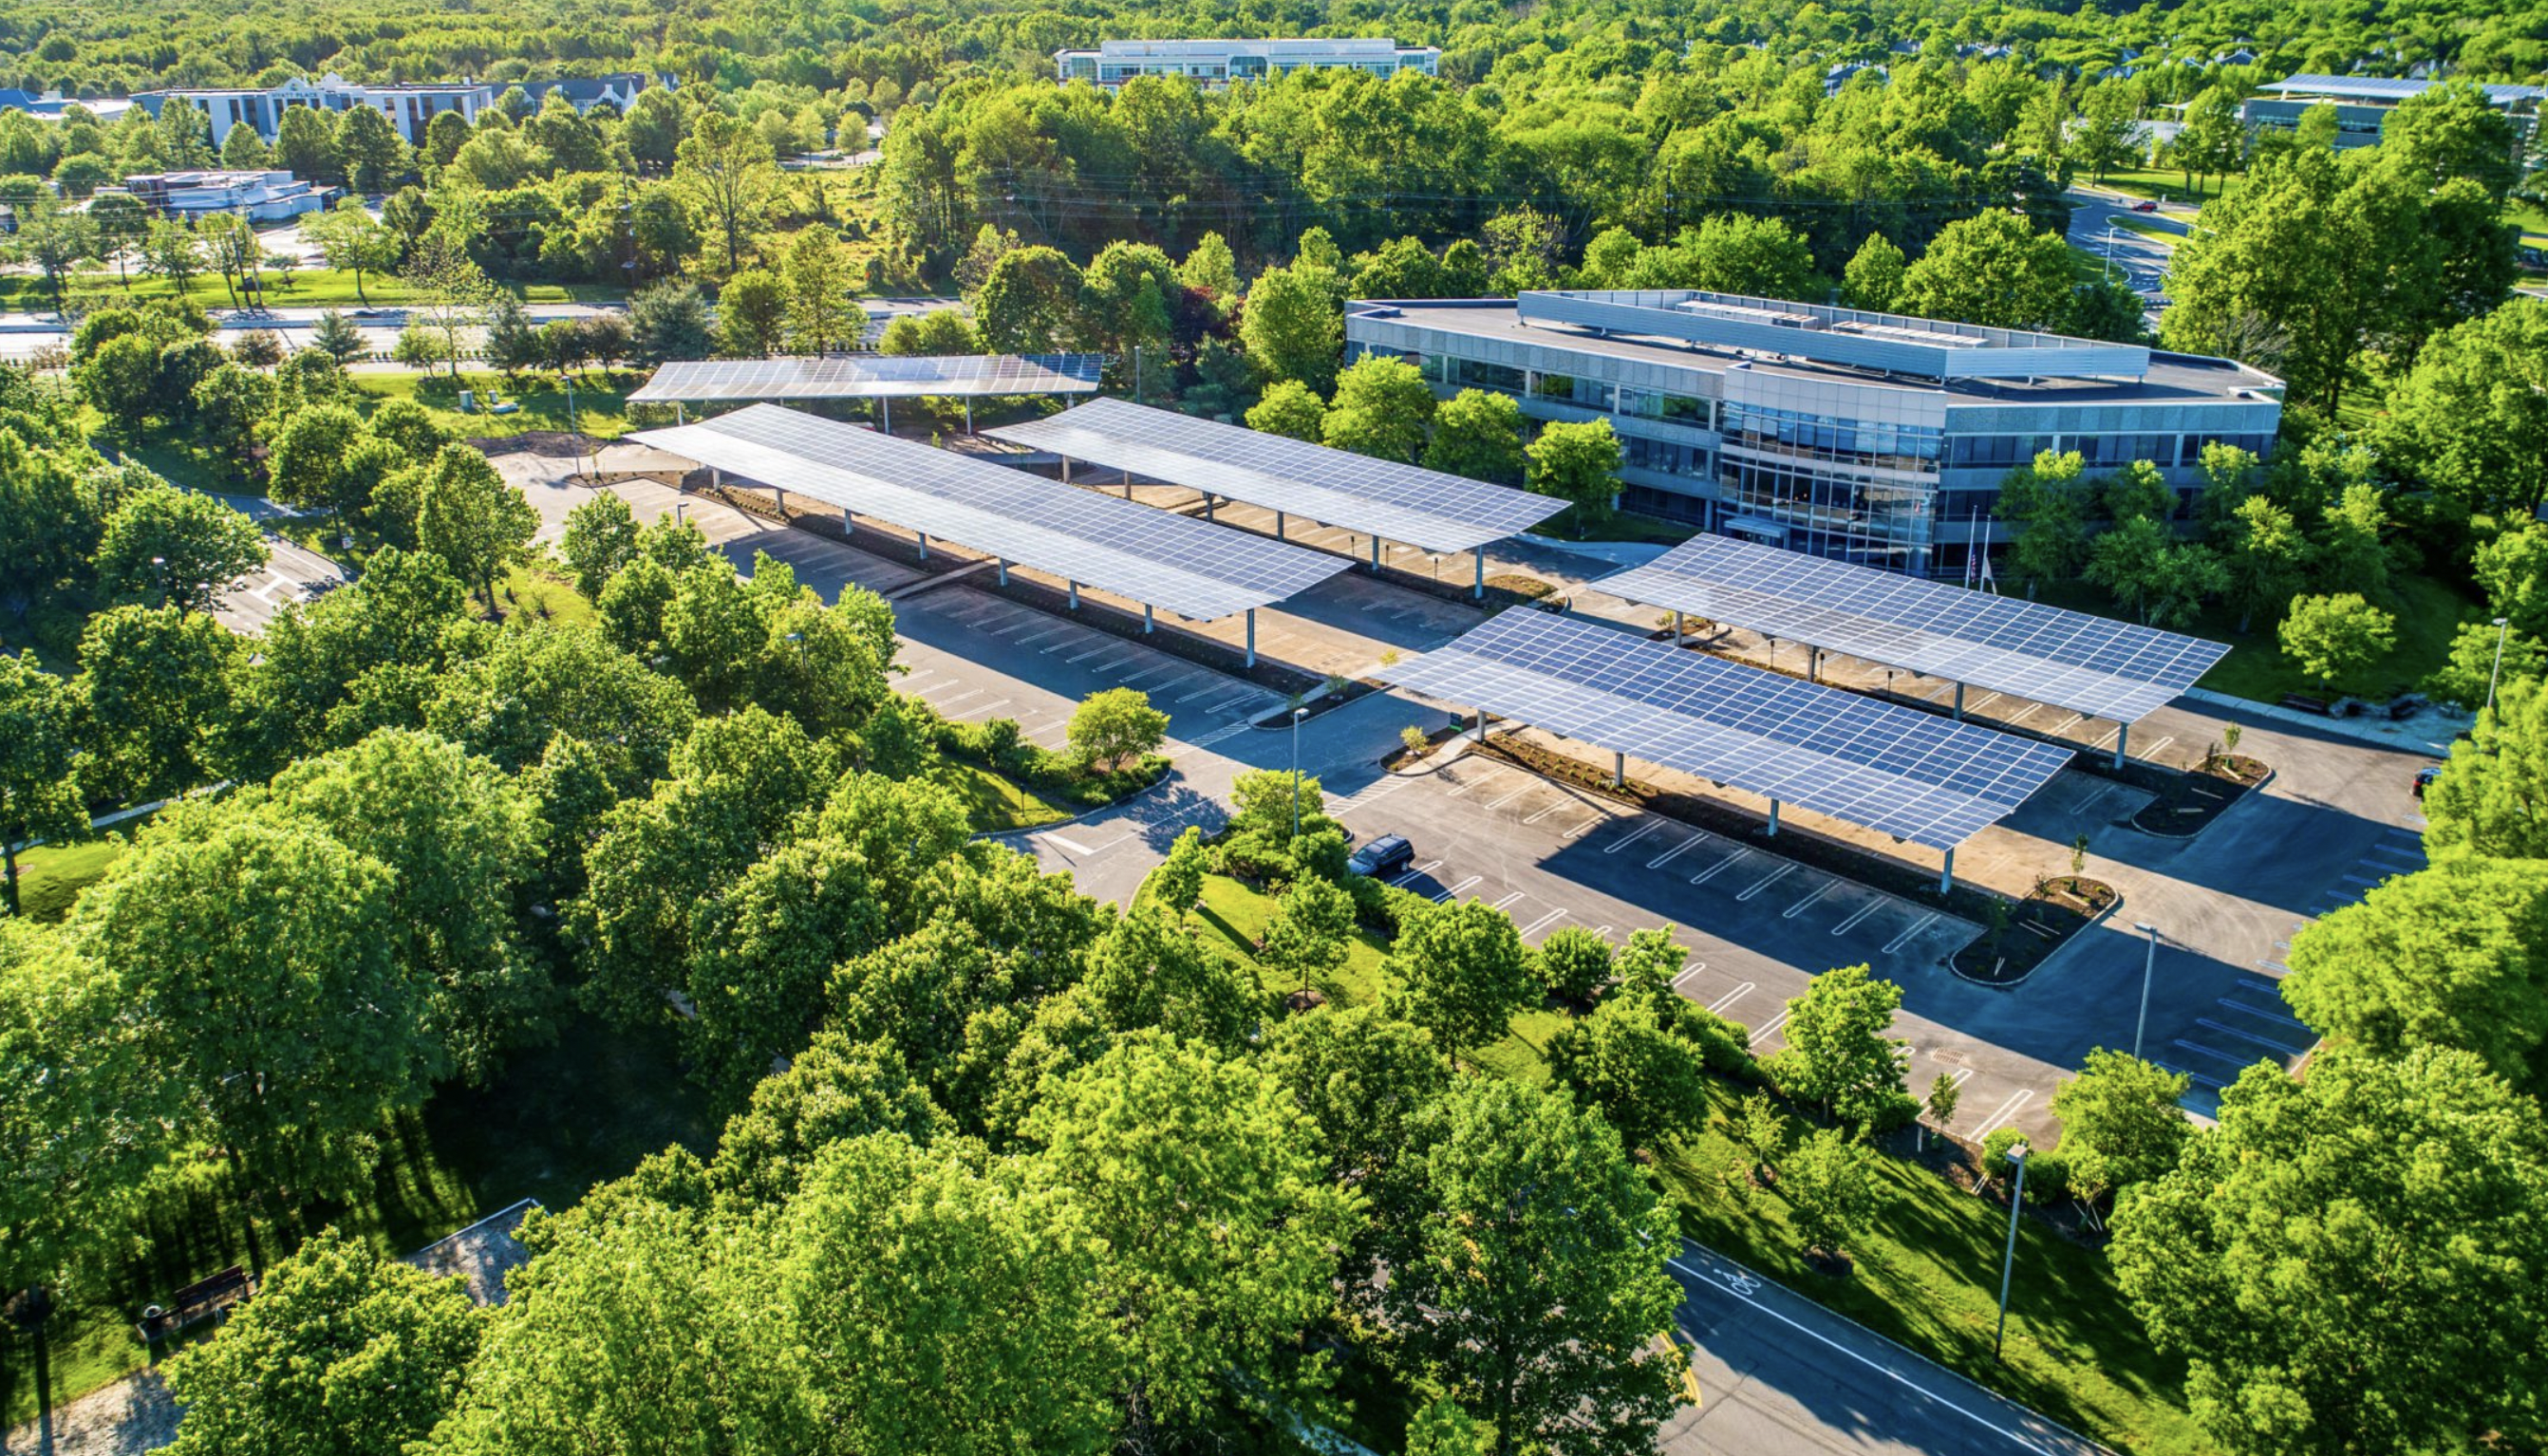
[(1400, 756), (2038, 926), (2186, 806)]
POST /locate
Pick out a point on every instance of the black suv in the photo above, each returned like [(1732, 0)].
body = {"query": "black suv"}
[(1387, 854)]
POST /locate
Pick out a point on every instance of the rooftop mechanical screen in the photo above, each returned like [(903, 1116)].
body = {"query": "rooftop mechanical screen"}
[(1198, 571), (870, 376), (1399, 502), (2090, 665), (1909, 774)]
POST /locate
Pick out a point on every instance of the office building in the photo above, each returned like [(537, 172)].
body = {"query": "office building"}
[(1874, 438), (411, 106), (259, 197), (2363, 103), (1220, 63)]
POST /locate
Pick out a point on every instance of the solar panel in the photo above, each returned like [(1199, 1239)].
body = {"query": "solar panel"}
[(2091, 665), (1399, 502), (1909, 774), (871, 375), (1198, 571)]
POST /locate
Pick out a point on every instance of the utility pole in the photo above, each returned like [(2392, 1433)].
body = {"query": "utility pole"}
[(2503, 629), (1297, 715), (2149, 962)]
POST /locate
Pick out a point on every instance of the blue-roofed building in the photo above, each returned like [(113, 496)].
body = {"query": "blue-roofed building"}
[(1874, 438), (2363, 104)]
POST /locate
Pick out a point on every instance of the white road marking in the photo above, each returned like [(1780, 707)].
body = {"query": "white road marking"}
[(1768, 1029), (1667, 855), (1543, 922), (1766, 880), (1508, 901), (1489, 778), (1455, 889), (1428, 868), (1632, 836), (1544, 813), (2028, 711), (1039, 636), (959, 697), (1098, 650), (1225, 730), (1917, 926), (1857, 915), (1720, 866), (1065, 845), (1510, 798), (1729, 998), (2151, 752), (2007, 1113), (1800, 908), (1587, 826), (981, 707)]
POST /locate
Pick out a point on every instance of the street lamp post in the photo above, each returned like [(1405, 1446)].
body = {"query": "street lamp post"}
[(2008, 1260), (2149, 962), (2503, 629), (2111, 224), (1297, 715), (159, 574)]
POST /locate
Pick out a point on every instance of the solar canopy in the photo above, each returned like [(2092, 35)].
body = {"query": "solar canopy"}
[(1398, 502), (871, 375), (1912, 774), (1195, 570), (2090, 665)]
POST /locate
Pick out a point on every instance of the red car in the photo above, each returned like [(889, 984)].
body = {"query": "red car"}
[(2145, 205)]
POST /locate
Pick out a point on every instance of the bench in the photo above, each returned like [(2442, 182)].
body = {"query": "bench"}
[(195, 1304), (2305, 703)]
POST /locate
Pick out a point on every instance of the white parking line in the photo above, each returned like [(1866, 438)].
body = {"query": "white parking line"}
[(1096, 650), (1632, 836), (1509, 798), (1917, 926), (1800, 908), (1206, 690), (1857, 915), (1455, 889), (1067, 845), (1683, 980), (1508, 901), (981, 707), (1539, 815), (1112, 663), (1766, 880), (2028, 711), (1491, 776), (1587, 826), (1767, 1029), (1428, 868), (2007, 1113), (1041, 636), (2151, 752), (959, 697), (1543, 922), (1140, 677), (1720, 866), (1225, 730), (1729, 998), (1667, 855)]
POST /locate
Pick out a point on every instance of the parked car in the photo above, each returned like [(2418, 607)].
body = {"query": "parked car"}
[(2425, 779), (2145, 205), (1387, 854)]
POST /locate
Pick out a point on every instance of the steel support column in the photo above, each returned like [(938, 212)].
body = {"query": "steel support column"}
[(1773, 818), (1004, 571), (1478, 591), (924, 545), (1251, 636), (1618, 770), (1960, 703), (1946, 873), (1074, 597), (2122, 735), (1150, 619)]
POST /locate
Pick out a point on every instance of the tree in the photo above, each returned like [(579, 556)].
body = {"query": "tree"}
[(2351, 555), (1116, 727), (989, 1341), (1943, 1094), (305, 144), (176, 547), (1577, 462), (2481, 658), (1575, 962), (343, 1350), (337, 337), (154, 687), (1649, 1084), (1200, 1275), (2264, 558), (2338, 1255), (245, 150), (2101, 138), (472, 517), (40, 798), (2121, 1125), (373, 153), (1829, 1183), (751, 313), (1030, 302), (1461, 971), (122, 223), (2513, 570), (726, 170), (513, 343), (600, 537), (58, 242), (1838, 1056), (1294, 325), (1874, 278), (2455, 955), (229, 404), (2335, 636), (1533, 1293), (352, 239), (241, 940), (1209, 267), (1292, 409), (1992, 269), (1382, 409), (2490, 797), (2471, 417), (1310, 931), (821, 313), (171, 251), (452, 299), (1478, 433), (938, 331)]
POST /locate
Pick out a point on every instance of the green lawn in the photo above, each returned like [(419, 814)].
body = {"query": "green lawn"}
[(50, 878), (2164, 184), (2429, 611), (996, 802), (1927, 1273), (555, 1122), (298, 288), (598, 410), (2159, 233), (543, 590)]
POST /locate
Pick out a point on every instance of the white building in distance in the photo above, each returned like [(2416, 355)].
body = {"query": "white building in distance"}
[(1220, 63), (409, 107)]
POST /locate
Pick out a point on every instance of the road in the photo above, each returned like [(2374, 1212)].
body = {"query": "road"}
[(1779, 1374), (2098, 227)]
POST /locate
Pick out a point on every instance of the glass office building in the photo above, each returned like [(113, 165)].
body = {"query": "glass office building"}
[(1873, 438)]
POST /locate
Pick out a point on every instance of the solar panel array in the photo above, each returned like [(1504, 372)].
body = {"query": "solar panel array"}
[(2091, 665), (1198, 571), (1398, 502), (1909, 774), (870, 376)]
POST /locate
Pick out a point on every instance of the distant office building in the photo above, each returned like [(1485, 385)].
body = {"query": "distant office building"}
[(411, 106), (1220, 63), (2363, 104), (259, 197), (1873, 438), (50, 105)]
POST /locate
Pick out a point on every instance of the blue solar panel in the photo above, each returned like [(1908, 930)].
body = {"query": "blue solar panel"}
[(1906, 772)]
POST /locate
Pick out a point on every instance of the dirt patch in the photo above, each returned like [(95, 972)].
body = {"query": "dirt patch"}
[(2187, 806)]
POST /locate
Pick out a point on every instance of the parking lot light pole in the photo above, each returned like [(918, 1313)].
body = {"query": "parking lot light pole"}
[(1297, 715), (2503, 629), (2008, 1260), (2149, 962)]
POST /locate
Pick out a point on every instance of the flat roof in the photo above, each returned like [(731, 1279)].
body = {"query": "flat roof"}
[(2169, 378), (1908, 774), (870, 376), (2386, 88), (1400, 502), (1198, 571), (2091, 665)]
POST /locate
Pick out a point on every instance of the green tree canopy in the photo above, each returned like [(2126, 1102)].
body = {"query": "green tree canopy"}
[(1461, 971), (1838, 1055)]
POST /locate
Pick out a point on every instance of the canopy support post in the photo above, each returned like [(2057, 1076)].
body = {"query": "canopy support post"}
[(848, 522), (968, 415), (1773, 818), (886, 404), (1618, 770), (1960, 703), (1074, 597), (1065, 470), (1374, 551), (1004, 571), (2122, 735), (1478, 590), (1207, 502), (1946, 873), (1150, 619), (1481, 725), (1677, 630), (1278, 525), (680, 415), (924, 545), (1251, 637)]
